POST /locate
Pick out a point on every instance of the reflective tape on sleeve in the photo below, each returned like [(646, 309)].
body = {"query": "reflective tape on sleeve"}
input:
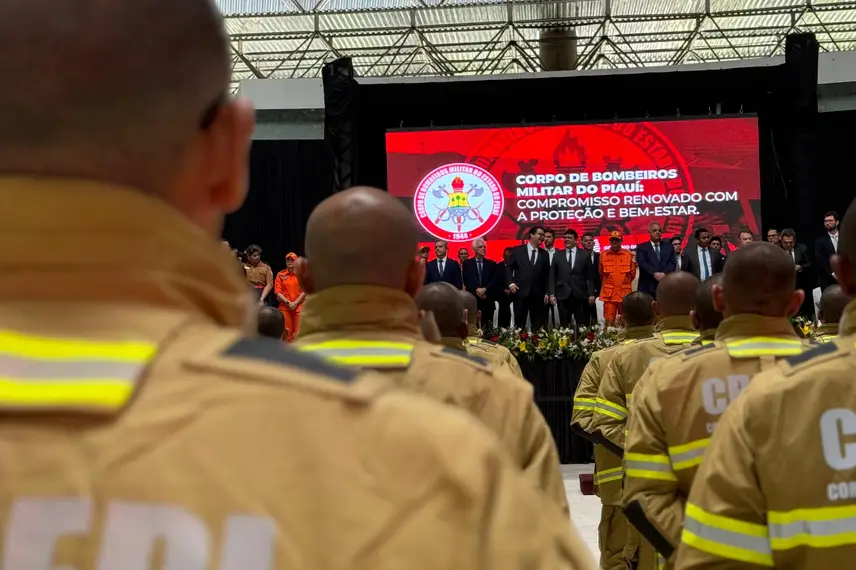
[(823, 527), (649, 466), (363, 353), (610, 409), (585, 403), (607, 475), (726, 537), (756, 346), (689, 454)]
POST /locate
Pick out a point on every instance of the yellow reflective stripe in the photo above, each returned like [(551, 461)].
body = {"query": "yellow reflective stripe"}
[(822, 527), (60, 393), (608, 475), (585, 403), (826, 337), (707, 342), (726, 537), (358, 344), (611, 409), (688, 454), (764, 346), (628, 397), (649, 466), (73, 349), (371, 354), (679, 337)]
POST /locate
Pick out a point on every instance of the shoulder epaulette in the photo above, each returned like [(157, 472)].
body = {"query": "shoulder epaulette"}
[(272, 351), (814, 352), (642, 338), (689, 353), (451, 352), (487, 341)]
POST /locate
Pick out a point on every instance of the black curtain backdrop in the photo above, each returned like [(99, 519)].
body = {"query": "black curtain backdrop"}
[(288, 178), (835, 186)]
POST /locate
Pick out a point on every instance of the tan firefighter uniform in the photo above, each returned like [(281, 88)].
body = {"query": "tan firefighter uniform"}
[(612, 530), (378, 328), (138, 423), (675, 408), (494, 353), (778, 484), (826, 332), (610, 415), (707, 336)]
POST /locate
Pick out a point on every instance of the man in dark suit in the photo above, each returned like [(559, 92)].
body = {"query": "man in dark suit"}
[(527, 276), (483, 278), (700, 259), (802, 261), (655, 258), (824, 248), (572, 282), (442, 268), (588, 245)]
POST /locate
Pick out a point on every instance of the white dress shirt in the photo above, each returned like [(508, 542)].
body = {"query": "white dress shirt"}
[(551, 251), (704, 263), (834, 239), (441, 268), (529, 250)]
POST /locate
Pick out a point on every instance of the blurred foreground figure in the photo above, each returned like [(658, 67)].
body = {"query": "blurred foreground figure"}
[(364, 314), (140, 427), (777, 487), (481, 347), (833, 302)]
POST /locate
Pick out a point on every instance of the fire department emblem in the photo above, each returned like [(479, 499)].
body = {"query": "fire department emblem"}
[(458, 202)]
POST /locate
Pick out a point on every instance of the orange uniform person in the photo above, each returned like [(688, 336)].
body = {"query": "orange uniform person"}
[(290, 296), (617, 271)]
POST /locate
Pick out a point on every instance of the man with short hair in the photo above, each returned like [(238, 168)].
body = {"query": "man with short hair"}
[(802, 262), (824, 248), (833, 302), (271, 323), (678, 401), (484, 279), (705, 316), (656, 258), (677, 245), (745, 236), (441, 269), (773, 237), (791, 424), (527, 276), (587, 240), (572, 282), (701, 260)]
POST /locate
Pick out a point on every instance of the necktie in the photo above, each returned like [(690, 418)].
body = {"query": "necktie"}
[(568, 254), (534, 257), (657, 250), (704, 270), (440, 267), (479, 263)]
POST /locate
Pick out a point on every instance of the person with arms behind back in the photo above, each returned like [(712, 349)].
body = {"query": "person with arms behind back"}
[(775, 488), (143, 423), (482, 278)]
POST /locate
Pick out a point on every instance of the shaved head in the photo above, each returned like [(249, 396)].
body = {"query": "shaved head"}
[(447, 306), (676, 294), (832, 303), (705, 312), (361, 216), (471, 306), (271, 322), (760, 279), (637, 309)]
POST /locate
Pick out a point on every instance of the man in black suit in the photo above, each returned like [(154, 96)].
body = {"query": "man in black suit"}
[(442, 268), (572, 282), (700, 259), (505, 297), (655, 258), (527, 276), (483, 279), (802, 261), (588, 245), (824, 248)]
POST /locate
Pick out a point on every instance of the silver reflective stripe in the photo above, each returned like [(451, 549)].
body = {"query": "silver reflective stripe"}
[(605, 405), (48, 370), (757, 544), (684, 456), (636, 464), (812, 528)]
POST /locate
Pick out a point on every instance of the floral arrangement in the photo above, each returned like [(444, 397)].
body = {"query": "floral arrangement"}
[(555, 344), (807, 328)]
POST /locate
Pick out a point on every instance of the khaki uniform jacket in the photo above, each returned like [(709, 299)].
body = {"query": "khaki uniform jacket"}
[(826, 332), (778, 484), (676, 406), (608, 469), (378, 328), (494, 353), (624, 370), (139, 424)]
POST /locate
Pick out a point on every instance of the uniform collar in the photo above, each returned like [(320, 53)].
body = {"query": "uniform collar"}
[(79, 241), (359, 307), (674, 323), (707, 334), (632, 333), (453, 343), (847, 324), (754, 325)]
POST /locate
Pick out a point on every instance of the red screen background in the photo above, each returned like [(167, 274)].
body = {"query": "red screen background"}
[(709, 155)]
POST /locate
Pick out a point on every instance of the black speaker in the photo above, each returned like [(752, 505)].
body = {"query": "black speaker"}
[(341, 100), (801, 52)]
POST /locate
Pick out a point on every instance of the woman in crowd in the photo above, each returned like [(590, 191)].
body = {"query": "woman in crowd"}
[(259, 274)]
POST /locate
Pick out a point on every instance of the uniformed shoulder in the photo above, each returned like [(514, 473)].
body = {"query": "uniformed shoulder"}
[(446, 353), (697, 350), (273, 351), (641, 339), (478, 347), (488, 342), (816, 355)]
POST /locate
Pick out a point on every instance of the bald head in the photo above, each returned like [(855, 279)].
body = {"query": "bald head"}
[(705, 312), (637, 309), (471, 306), (676, 294), (759, 278), (447, 305), (271, 322), (832, 304), (340, 230), (114, 91)]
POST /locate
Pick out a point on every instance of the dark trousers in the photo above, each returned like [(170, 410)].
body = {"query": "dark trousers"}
[(504, 319), (534, 307), (575, 309), (487, 307)]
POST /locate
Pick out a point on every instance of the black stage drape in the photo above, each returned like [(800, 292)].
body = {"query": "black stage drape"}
[(288, 178), (555, 382)]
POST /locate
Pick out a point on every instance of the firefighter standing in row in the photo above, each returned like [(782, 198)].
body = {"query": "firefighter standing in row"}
[(704, 316), (143, 423), (481, 347), (678, 401), (363, 314), (833, 301), (675, 299), (617, 269), (638, 317), (777, 487)]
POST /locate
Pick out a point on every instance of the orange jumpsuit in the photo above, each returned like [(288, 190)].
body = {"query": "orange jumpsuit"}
[(287, 286), (617, 271)]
